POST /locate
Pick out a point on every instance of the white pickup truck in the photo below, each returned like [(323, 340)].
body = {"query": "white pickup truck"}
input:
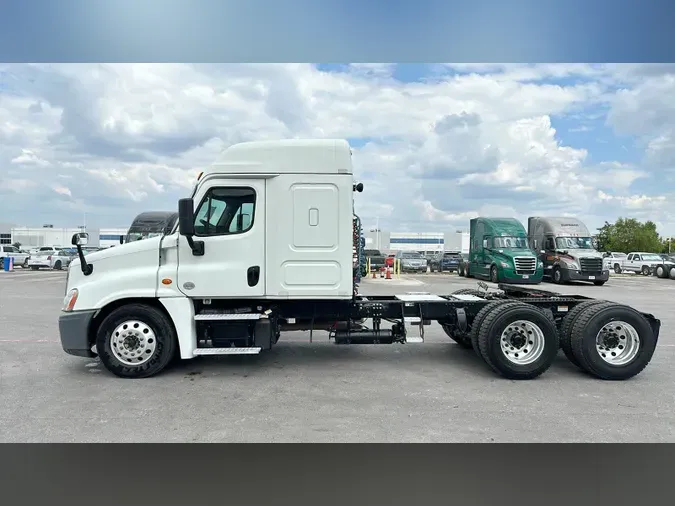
[(643, 263), (614, 261), (15, 253)]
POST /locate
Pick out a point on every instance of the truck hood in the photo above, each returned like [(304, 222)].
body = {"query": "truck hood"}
[(128, 270), (583, 253), (130, 248), (514, 252)]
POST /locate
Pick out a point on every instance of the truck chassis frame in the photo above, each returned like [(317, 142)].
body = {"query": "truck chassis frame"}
[(517, 331)]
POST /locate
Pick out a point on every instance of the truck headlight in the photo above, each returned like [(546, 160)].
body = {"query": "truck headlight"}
[(505, 264), (571, 265), (69, 300)]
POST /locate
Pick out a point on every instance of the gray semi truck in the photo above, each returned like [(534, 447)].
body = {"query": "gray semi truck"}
[(567, 250)]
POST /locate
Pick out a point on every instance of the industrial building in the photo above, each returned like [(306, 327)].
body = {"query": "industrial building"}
[(385, 241), (422, 242), (35, 237)]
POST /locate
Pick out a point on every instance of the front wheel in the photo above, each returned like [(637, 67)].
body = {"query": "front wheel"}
[(24, 265), (136, 341), (598, 283), (557, 275), (494, 274), (617, 269), (57, 265)]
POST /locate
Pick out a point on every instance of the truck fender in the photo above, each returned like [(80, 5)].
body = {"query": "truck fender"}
[(182, 313)]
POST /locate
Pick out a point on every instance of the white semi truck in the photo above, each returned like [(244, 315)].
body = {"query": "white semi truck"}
[(264, 244)]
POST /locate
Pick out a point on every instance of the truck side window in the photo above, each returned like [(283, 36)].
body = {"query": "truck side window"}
[(549, 243), (225, 211)]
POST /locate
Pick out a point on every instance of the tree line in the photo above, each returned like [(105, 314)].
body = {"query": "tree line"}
[(628, 234)]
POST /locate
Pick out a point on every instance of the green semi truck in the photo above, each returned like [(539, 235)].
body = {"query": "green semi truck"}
[(499, 252)]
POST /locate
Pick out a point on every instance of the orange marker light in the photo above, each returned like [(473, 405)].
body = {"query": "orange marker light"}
[(166, 281)]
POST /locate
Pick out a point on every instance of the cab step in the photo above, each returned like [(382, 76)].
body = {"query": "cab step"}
[(227, 351)]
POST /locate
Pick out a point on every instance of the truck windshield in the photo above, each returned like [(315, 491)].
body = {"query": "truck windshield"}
[(509, 242), (574, 243)]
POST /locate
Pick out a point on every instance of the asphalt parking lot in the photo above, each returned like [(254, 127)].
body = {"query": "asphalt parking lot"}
[(319, 392)]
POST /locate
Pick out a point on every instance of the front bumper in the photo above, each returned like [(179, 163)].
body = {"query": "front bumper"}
[(518, 279), (414, 268), (74, 333), (570, 275)]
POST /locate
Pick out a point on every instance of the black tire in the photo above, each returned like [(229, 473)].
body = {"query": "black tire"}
[(460, 271), (661, 271), (57, 265), (556, 275), (467, 272), (458, 336), (24, 265), (599, 283), (494, 274), (587, 327), (566, 328), (497, 320), (461, 338), (478, 321), (671, 273), (617, 269), (645, 270), (160, 324)]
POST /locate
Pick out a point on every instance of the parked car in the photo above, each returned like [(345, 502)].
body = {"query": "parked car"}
[(375, 258), (445, 262), (411, 261), (640, 262), (614, 261), (51, 258), (20, 258)]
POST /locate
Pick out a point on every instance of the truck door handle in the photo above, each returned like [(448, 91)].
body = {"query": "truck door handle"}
[(253, 275)]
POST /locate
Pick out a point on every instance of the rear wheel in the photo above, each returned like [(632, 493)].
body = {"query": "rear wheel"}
[(24, 265), (460, 270), (452, 331), (478, 321), (566, 327), (671, 273), (518, 341), (661, 272), (612, 341), (617, 268), (136, 341), (57, 265), (645, 270)]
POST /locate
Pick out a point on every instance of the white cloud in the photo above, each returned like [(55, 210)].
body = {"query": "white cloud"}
[(113, 140)]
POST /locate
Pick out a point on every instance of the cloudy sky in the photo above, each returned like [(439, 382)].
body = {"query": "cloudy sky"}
[(434, 144)]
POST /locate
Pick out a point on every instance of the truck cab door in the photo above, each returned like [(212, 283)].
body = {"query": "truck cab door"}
[(230, 220)]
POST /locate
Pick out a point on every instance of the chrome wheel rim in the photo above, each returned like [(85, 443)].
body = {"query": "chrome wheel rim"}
[(133, 342), (618, 343), (522, 342)]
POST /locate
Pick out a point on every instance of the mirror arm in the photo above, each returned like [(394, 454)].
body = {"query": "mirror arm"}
[(87, 269), (197, 247)]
